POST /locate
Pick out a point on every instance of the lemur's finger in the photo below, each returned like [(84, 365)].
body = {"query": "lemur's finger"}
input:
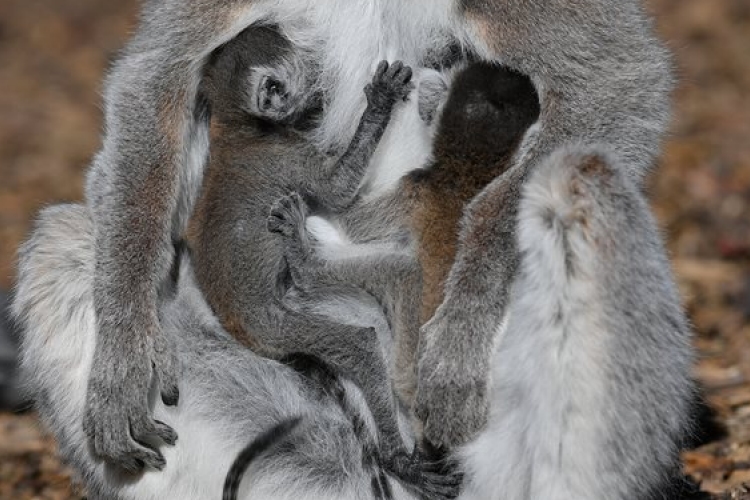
[(394, 69), (170, 394), (134, 458), (380, 70), (143, 428), (404, 76), (278, 224), (296, 202), (168, 380)]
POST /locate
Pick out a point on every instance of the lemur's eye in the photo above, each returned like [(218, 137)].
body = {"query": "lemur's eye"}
[(274, 86)]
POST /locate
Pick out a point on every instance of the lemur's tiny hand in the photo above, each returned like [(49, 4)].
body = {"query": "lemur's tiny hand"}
[(390, 84)]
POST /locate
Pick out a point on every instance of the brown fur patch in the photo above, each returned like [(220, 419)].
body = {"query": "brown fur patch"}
[(436, 219), (595, 166), (482, 125)]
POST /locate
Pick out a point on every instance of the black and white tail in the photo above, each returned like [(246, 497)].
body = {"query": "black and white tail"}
[(421, 479)]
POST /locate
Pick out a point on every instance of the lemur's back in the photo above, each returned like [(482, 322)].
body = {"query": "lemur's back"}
[(489, 110), (228, 233), (253, 162)]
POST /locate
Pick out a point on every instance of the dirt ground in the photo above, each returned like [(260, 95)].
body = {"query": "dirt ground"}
[(52, 58)]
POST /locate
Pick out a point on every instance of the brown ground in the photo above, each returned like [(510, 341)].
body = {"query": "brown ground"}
[(52, 57)]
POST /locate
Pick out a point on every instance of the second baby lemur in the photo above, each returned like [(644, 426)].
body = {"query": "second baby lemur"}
[(478, 130), (262, 94)]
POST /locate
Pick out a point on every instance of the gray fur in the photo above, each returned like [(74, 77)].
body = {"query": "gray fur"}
[(603, 78), (590, 375), (240, 266), (590, 385), (393, 278), (477, 130)]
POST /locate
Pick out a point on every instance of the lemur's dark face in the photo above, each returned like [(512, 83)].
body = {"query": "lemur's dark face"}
[(282, 92), (261, 75)]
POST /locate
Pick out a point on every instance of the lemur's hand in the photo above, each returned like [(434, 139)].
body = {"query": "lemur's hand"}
[(390, 84), (430, 479), (117, 418), (451, 399)]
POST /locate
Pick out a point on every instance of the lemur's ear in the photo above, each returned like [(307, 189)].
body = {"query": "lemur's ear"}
[(432, 92)]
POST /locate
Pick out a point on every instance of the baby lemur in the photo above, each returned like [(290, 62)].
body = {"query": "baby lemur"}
[(262, 95), (478, 131)]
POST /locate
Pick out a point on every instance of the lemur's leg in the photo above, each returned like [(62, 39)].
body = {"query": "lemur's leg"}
[(634, 66), (393, 278), (353, 351)]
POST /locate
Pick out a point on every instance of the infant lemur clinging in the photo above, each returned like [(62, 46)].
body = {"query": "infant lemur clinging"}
[(478, 132), (262, 95)]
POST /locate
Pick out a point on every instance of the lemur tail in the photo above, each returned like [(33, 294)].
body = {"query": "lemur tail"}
[(329, 384), (422, 479), (260, 445)]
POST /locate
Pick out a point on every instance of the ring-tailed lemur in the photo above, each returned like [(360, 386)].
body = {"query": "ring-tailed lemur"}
[(602, 76)]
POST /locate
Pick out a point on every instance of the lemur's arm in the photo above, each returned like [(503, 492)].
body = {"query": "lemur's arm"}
[(338, 188), (594, 88), (140, 190)]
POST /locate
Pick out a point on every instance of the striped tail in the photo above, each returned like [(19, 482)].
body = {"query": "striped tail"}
[(263, 443)]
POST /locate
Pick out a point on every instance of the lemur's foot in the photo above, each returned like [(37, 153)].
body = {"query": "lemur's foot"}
[(433, 480), (391, 83), (288, 216)]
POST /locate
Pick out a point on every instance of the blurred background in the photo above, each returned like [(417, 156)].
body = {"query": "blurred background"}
[(53, 54)]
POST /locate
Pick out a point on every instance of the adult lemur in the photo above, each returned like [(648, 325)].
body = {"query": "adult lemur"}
[(590, 386), (602, 78), (259, 90)]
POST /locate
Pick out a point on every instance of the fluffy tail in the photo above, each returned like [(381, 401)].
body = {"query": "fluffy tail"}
[(53, 307)]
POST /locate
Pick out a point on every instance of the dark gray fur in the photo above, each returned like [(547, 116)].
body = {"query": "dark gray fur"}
[(259, 154)]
